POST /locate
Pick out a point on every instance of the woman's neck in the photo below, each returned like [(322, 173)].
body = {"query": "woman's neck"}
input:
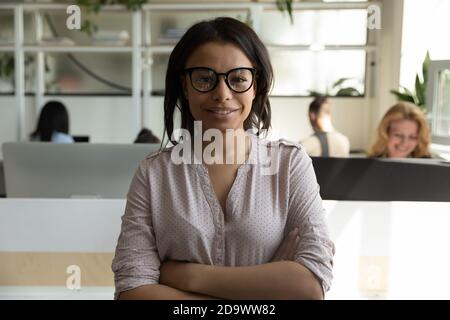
[(232, 148), (324, 125)]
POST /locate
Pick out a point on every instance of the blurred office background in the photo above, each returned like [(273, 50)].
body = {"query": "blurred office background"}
[(112, 82)]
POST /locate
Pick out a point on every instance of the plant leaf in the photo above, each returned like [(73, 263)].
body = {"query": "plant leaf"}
[(348, 92), (8, 66), (407, 91), (1, 66), (420, 91), (339, 82), (425, 64), (314, 93), (280, 5), (403, 96), (289, 10)]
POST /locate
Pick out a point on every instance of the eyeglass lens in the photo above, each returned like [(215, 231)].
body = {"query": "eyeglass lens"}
[(238, 80)]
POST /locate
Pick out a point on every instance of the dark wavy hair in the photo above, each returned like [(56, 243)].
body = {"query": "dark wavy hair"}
[(226, 30), (316, 104), (146, 136), (53, 117)]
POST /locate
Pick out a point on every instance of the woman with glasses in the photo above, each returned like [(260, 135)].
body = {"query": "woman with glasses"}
[(402, 133), (228, 228)]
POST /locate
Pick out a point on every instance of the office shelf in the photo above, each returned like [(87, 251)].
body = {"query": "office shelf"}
[(56, 48), (5, 48), (141, 47)]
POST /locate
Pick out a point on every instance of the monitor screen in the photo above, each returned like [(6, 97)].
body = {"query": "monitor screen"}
[(79, 170), (81, 138), (383, 179)]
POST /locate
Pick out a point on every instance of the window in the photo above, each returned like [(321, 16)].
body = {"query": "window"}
[(320, 48), (299, 73), (439, 101), (327, 43), (6, 56)]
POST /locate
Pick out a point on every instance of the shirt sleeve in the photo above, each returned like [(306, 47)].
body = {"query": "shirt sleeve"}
[(315, 250), (136, 261), (59, 137)]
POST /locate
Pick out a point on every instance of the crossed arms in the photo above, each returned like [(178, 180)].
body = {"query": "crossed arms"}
[(281, 278)]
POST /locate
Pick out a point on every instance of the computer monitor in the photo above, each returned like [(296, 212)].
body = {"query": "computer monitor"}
[(80, 170), (2, 181), (80, 138), (383, 179)]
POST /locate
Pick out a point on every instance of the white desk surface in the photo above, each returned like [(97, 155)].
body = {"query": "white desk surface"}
[(412, 236)]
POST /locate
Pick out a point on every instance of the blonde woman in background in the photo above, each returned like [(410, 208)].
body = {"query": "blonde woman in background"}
[(402, 133)]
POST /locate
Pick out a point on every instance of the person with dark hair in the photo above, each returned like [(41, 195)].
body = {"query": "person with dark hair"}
[(146, 136), (53, 124), (326, 141), (202, 229)]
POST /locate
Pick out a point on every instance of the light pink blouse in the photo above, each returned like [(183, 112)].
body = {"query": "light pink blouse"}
[(172, 212)]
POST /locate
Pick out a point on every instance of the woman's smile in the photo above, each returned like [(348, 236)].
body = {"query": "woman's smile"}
[(222, 113)]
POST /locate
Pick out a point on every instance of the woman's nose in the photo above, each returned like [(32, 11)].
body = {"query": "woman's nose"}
[(402, 140), (221, 92)]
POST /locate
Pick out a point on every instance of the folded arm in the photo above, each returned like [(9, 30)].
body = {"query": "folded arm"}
[(274, 280), (160, 292), (280, 279)]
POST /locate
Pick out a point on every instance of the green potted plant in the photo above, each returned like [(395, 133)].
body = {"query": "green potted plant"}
[(339, 89), (286, 5), (417, 96), (94, 6)]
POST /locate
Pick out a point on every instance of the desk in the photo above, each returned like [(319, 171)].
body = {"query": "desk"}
[(405, 243), (55, 293)]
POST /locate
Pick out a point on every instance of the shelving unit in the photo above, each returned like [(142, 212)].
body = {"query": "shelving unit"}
[(142, 49)]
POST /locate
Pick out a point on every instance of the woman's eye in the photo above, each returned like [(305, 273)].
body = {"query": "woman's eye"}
[(204, 79), (238, 79)]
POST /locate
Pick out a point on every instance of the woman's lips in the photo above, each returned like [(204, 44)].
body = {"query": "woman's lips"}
[(221, 113)]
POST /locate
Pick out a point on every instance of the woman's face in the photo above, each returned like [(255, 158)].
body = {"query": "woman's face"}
[(220, 108), (403, 138)]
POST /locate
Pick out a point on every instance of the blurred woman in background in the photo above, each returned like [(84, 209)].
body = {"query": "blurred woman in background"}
[(53, 124), (402, 133)]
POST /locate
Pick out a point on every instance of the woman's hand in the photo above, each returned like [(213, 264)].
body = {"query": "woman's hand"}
[(286, 250), (177, 274)]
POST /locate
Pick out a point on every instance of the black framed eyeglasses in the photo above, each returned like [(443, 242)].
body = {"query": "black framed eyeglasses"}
[(205, 79)]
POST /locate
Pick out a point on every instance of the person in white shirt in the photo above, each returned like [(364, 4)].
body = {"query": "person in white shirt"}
[(53, 124), (326, 141)]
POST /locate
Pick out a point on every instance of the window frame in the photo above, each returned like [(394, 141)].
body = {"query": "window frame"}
[(434, 69)]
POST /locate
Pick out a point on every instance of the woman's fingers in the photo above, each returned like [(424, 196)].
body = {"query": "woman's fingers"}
[(294, 248), (287, 246), (291, 244)]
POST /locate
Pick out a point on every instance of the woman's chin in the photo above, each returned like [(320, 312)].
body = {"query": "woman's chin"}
[(399, 155)]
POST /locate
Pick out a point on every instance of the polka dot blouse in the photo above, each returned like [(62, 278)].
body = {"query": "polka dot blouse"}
[(173, 213)]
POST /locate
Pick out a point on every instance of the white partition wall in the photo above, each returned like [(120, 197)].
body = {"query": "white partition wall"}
[(384, 250)]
